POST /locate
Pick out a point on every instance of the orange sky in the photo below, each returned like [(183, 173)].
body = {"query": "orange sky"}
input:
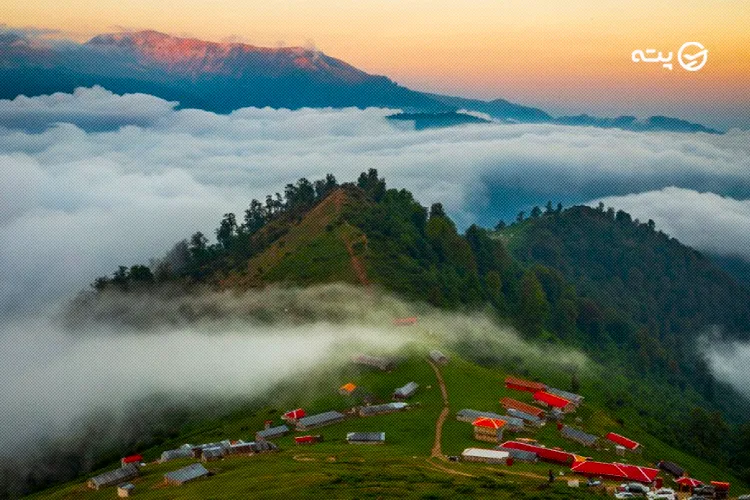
[(570, 57)]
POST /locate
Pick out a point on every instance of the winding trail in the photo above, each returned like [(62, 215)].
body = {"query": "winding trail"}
[(437, 449)]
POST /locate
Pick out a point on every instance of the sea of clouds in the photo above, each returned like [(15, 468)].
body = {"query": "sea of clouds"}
[(92, 180)]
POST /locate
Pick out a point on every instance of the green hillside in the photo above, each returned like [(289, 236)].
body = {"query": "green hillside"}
[(404, 465), (631, 298)]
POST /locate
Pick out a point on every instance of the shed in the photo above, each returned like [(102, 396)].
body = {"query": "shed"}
[(113, 477), (293, 415), (554, 401), (519, 384), (125, 490), (578, 435), (488, 429), (626, 443), (185, 475), (368, 411), (671, 468), (438, 357), (365, 437), (406, 391), (484, 455), (520, 455), (319, 420), (574, 398), (272, 432)]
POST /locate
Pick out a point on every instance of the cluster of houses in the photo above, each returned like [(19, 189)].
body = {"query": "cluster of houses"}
[(553, 404)]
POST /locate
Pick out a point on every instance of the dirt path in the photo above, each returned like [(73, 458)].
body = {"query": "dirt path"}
[(437, 450), (357, 266)]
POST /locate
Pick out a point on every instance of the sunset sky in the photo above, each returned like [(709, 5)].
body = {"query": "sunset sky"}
[(567, 57)]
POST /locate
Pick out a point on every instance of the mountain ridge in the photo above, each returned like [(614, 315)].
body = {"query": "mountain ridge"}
[(222, 77)]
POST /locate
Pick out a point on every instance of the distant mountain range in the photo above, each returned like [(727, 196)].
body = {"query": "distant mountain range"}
[(222, 77)]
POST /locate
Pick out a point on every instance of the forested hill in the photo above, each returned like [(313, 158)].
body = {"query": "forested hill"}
[(629, 266)]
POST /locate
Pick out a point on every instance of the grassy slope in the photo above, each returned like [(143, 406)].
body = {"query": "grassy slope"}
[(402, 466)]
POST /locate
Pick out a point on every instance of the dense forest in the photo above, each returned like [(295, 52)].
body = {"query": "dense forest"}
[(632, 298)]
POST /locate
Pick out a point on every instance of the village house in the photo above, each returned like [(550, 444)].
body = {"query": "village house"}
[(520, 455), (185, 475), (514, 404), (671, 468), (347, 389), (113, 477), (380, 363), (308, 439), (272, 433), (319, 420), (368, 411), (484, 455), (365, 437), (406, 391), (546, 454), (578, 436), (554, 402), (512, 424), (528, 419), (488, 429), (519, 384), (212, 454), (620, 472), (132, 459), (184, 451), (438, 357)]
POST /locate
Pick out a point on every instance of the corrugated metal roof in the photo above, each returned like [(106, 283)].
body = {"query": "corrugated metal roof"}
[(485, 453), (523, 455), (366, 437), (272, 432), (578, 435), (193, 471), (438, 356), (524, 416), (521, 406), (176, 453), (321, 418), (384, 408), (214, 452), (116, 476), (406, 390)]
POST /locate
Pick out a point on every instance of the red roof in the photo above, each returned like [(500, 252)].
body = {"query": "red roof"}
[(132, 459), (551, 399), (491, 423), (689, 482), (720, 485), (304, 439), (295, 414), (518, 405), (520, 384), (616, 471), (622, 441), (548, 454)]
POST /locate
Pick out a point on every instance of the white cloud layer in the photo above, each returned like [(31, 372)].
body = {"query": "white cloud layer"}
[(706, 221), (117, 179)]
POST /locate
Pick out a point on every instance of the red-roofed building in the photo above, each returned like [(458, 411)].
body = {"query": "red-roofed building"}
[(616, 471), (488, 429), (293, 416), (554, 401), (132, 459), (688, 483), (547, 454), (720, 486), (308, 439), (626, 443), (520, 406), (519, 384)]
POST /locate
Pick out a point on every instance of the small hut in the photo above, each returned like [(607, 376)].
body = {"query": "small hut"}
[(438, 357), (365, 437), (185, 475), (406, 391), (125, 490)]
